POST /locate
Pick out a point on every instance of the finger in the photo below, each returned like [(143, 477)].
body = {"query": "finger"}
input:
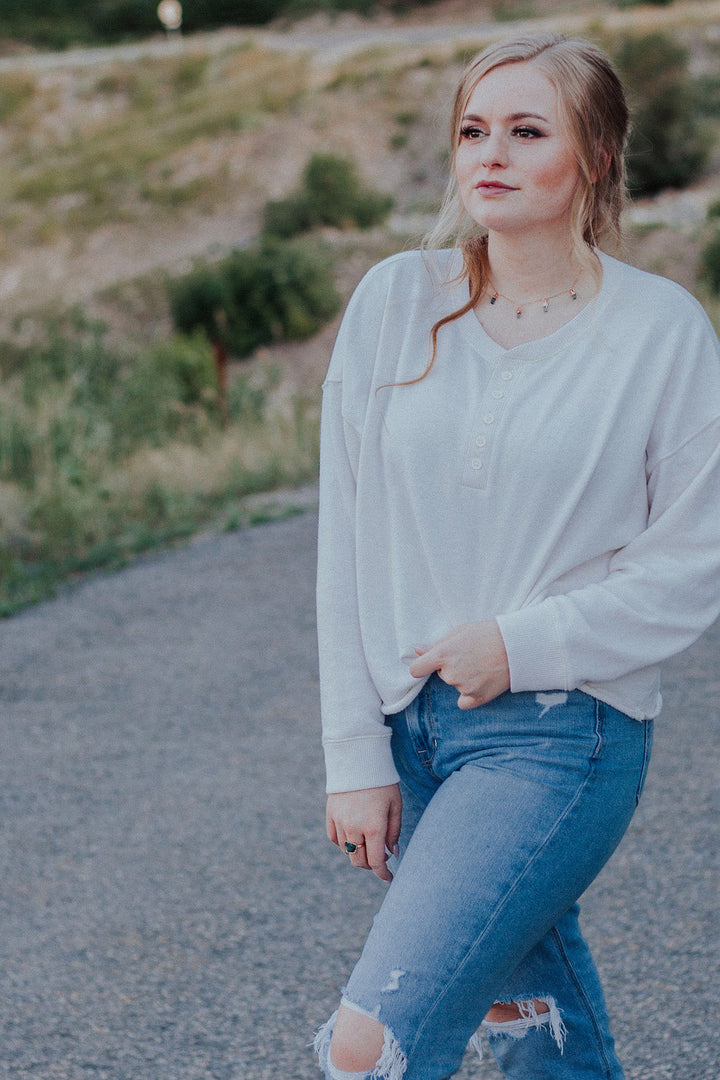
[(465, 701), (356, 854), (331, 831), (377, 860), (425, 664), (394, 825), (358, 859)]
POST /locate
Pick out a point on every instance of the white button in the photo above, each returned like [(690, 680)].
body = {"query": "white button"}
[(489, 418), (497, 394), (481, 441), (506, 375), (477, 463)]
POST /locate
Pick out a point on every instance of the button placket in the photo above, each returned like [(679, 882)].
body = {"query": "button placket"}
[(480, 444)]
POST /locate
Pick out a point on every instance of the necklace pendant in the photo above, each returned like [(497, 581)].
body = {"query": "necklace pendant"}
[(494, 298), (546, 306), (518, 312), (573, 294)]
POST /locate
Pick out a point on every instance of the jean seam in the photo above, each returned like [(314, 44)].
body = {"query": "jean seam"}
[(498, 909), (426, 730), (584, 998), (413, 724), (647, 744), (599, 725)]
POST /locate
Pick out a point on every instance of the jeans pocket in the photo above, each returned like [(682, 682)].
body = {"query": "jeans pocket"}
[(647, 750)]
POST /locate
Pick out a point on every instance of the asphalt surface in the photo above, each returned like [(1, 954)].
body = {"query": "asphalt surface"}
[(169, 906)]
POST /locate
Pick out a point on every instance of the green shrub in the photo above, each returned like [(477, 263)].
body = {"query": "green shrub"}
[(300, 8), (166, 393), (636, 3), (16, 449), (199, 300), (283, 218), (331, 194), (710, 263), (504, 11), (333, 185), (73, 348), (78, 487), (276, 292), (188, 361), (371, 208), (708, 94), (668, 146), (112, 18), (121, 17), (248, 397), (97, 402), (15, 91), (60, 23)]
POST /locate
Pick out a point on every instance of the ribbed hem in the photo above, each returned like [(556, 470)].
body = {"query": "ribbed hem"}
[(364, 762), (536, 657)]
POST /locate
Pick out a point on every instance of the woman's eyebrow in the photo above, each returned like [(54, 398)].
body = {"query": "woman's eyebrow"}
[(514, 117)]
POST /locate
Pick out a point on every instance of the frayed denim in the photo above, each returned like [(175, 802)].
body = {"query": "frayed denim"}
[(509, 812)]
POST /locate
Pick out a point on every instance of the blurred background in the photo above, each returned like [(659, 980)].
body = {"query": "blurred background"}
[(186, 205)]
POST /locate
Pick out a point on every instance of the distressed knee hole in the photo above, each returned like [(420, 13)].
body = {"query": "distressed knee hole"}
[(514, 1019), (355, 1043), (504, 1012)]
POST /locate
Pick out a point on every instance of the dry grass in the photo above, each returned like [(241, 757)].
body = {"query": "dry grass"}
[(110, 176), (73, 498), (86, 150)]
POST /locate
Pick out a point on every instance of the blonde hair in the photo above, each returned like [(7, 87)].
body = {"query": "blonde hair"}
[(593, 107)]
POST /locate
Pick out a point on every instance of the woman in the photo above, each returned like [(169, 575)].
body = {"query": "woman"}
[(511, 541)]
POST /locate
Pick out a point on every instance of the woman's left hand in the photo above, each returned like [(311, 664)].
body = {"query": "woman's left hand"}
[(472, 658)]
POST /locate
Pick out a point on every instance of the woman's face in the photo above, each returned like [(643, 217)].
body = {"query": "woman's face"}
[(516, 167)]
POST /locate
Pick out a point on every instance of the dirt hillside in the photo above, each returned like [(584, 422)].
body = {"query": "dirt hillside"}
[(92, 214)]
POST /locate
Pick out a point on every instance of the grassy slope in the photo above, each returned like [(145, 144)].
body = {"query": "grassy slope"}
[(123, 168), (115, 173)]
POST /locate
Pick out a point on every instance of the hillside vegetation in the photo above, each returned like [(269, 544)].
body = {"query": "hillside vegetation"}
[(117, 175), (62, 23)]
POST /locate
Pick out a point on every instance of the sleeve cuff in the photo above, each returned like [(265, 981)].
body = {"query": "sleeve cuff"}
[(355, 764), (534, 648)]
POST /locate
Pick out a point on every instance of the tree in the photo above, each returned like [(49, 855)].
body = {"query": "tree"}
[(668, 145), (274, 292)]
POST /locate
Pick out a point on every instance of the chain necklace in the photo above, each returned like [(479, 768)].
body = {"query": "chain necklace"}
[(544, 300)]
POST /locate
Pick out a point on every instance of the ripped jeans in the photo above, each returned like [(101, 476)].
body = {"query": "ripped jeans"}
[(509, 812)]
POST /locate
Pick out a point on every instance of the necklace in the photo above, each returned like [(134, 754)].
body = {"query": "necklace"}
[(544, 300)]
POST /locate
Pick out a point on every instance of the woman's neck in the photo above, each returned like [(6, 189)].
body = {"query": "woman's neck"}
[(534, 290), (531, 267)]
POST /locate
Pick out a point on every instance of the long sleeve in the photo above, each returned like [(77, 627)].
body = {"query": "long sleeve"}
[(662, 589), (356, 740)]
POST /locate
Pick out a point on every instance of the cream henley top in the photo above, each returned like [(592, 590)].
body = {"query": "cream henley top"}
[(569, 488)]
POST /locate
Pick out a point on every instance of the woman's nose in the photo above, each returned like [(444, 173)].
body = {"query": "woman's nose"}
[(494, 151)]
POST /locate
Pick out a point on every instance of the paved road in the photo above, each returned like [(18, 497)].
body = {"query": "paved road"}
[(169, 908)]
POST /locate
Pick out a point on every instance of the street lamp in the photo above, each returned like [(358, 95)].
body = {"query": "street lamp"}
[(169, 13)]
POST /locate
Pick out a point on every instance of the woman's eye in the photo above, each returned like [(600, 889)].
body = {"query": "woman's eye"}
[(527, 132), (471, 132)]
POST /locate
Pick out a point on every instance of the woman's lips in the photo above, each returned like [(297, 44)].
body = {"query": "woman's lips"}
[(493, 187)]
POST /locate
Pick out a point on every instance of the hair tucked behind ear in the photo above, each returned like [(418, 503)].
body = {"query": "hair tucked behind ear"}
[(592, 103)]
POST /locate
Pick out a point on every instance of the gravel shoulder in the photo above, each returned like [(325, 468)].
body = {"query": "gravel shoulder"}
[(170, 906)]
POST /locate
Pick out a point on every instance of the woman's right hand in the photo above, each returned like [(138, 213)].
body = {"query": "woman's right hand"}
[(370, 819)]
